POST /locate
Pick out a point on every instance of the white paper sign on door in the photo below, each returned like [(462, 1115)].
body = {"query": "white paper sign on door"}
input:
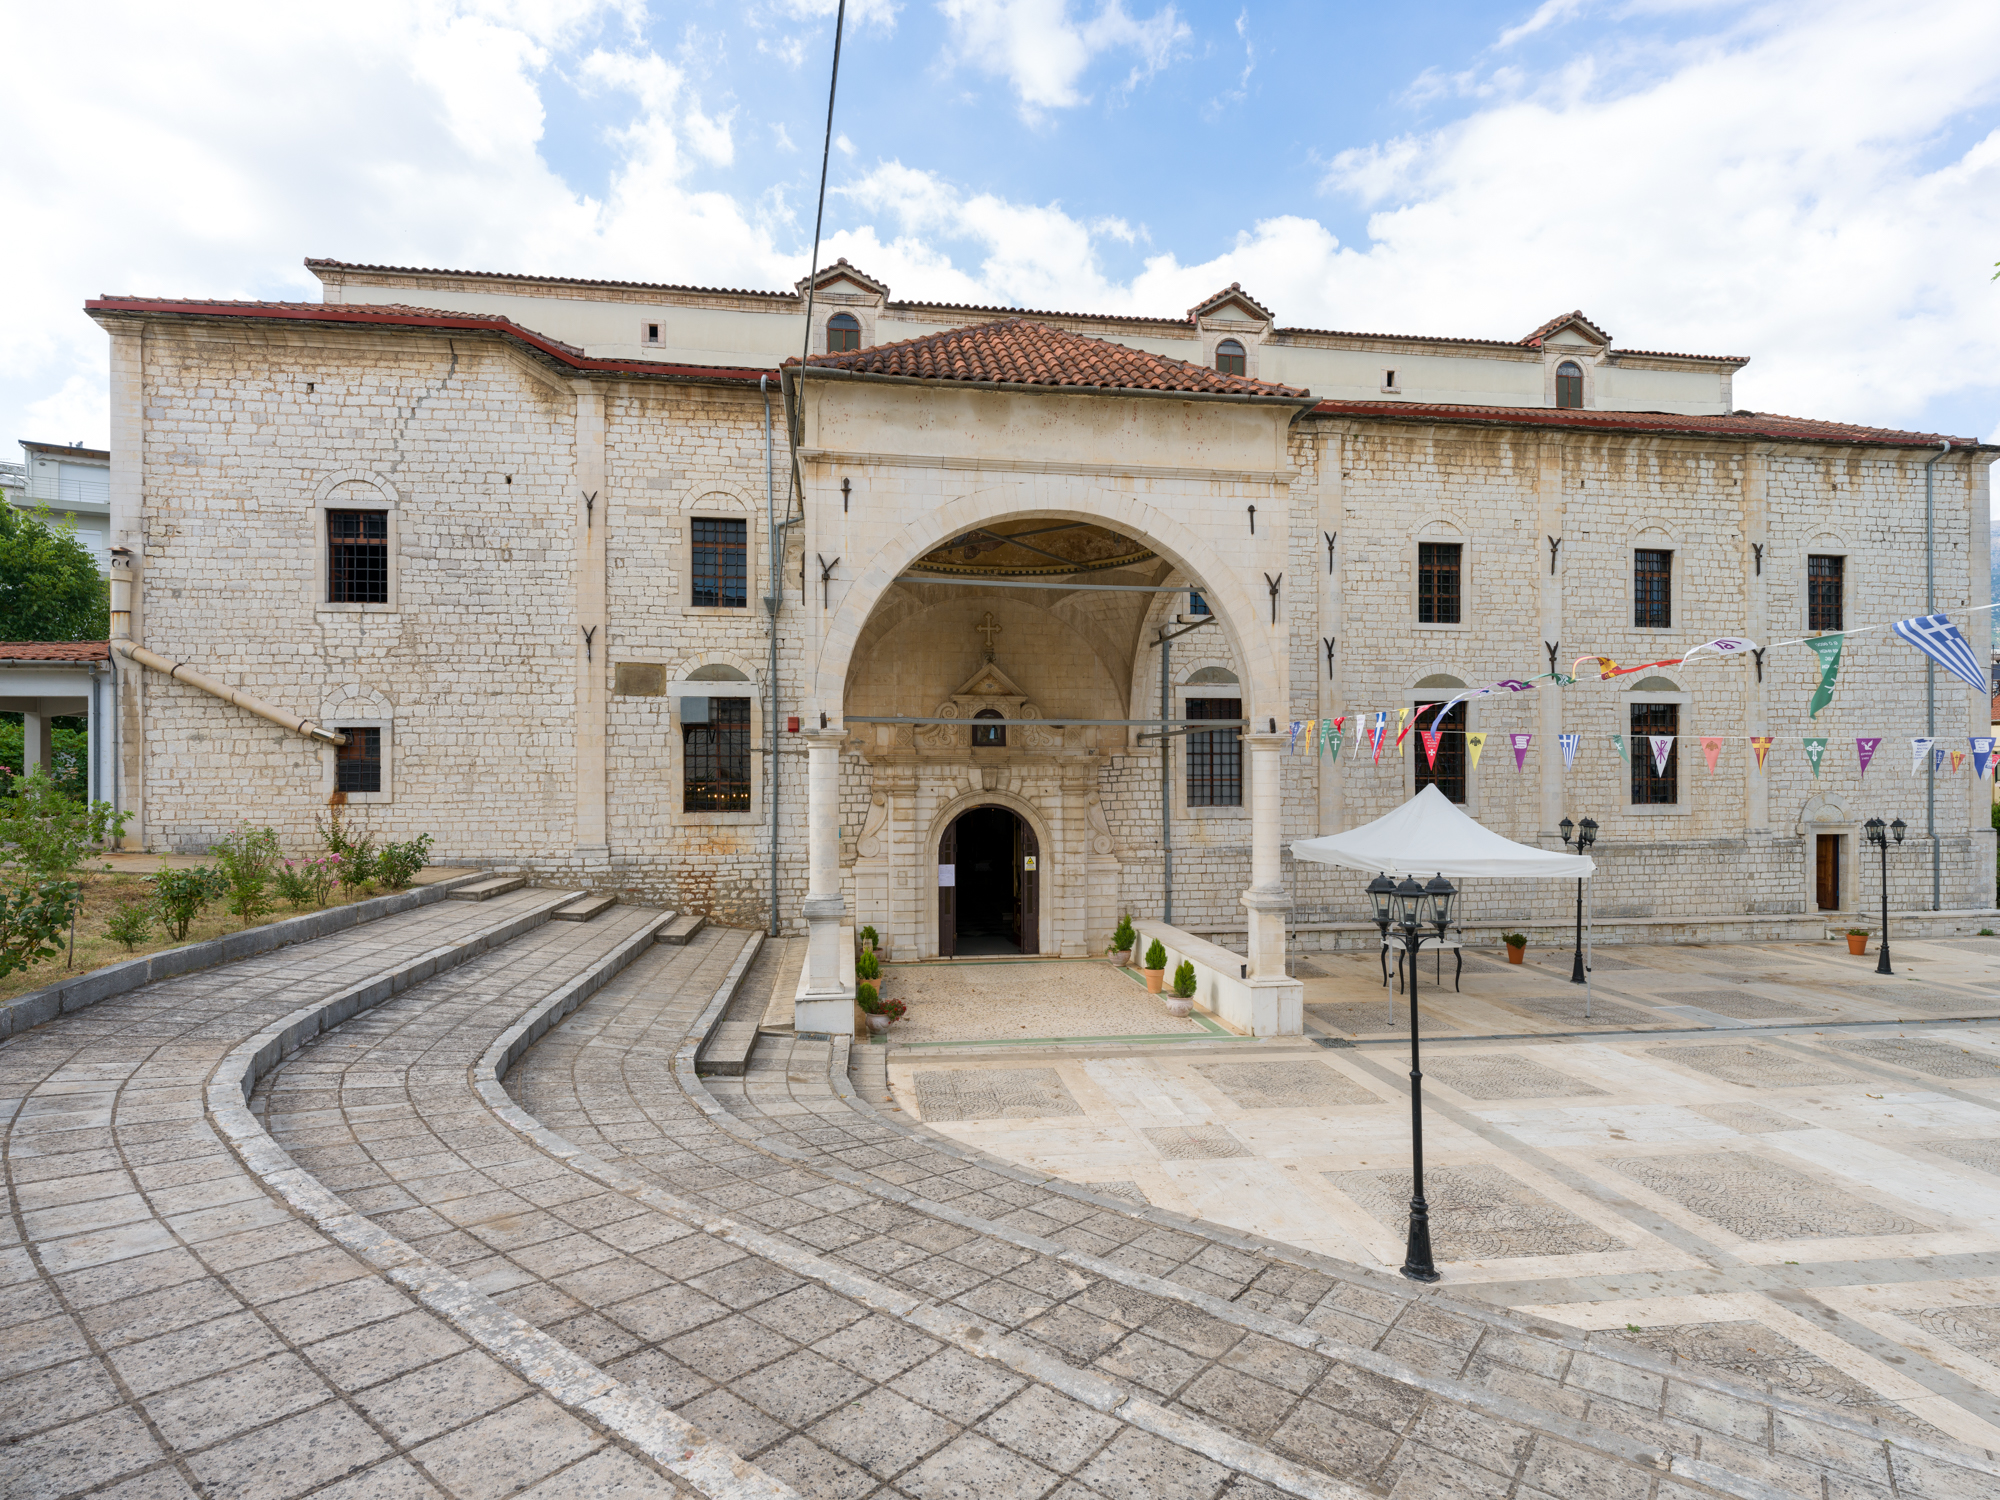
[(1028, 863), (947, 875)]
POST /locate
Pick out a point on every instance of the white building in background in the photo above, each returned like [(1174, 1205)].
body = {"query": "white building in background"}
[(75, 483)]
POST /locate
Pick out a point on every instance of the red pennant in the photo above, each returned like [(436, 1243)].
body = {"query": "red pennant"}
[(1430, 738)]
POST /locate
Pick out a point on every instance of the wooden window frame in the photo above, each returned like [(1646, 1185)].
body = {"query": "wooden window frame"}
[(1569, 385), (1234, 350), (834, 324), (1431, 596), (693, 522), (1660, 609), (1819, 616), (1219, 753)]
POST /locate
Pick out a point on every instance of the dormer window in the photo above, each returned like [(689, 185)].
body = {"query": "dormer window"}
[(1569, 384), (843, 331), (1230, 358)]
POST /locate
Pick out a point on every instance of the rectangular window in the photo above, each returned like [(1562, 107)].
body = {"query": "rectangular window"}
[(357, 765), (1826, 579), (1650, 784), (1652, 589), (715, 758), (1438, 583), (357, 557), (1196, 604), (720, 549), (1448, 775), (1215, 756)]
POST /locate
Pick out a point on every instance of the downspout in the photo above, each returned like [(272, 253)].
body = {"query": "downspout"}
[(1930, 675), (773, 592), (123, 645), (1166, 788)]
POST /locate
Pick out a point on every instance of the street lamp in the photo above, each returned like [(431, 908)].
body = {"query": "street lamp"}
[(1586, 835), (1410, 906), (1878, 836)]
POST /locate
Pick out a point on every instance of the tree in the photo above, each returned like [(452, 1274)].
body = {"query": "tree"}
[(50, 589)]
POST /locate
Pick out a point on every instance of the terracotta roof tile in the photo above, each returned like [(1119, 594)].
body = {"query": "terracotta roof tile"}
[(1745, 424), (55, 650), (1534, 339), (1232, 293), (1019, 351)]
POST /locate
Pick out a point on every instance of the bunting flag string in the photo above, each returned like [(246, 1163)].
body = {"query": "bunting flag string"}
[(1521, 742), (1815, 751), (1827, 648), (1711, 746), (1568, 743), (1864, 751), (1761, 743)]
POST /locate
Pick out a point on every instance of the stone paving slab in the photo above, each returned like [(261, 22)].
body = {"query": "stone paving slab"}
[(1210, 1333)]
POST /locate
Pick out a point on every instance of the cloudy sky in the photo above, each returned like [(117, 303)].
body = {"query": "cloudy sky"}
[(1814, 184)]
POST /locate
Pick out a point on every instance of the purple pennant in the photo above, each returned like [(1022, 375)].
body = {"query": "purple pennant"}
[(1521, 742), (1865, 749)]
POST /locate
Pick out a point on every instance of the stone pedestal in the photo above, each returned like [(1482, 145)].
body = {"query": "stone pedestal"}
[(826, 986), (1266, 900)]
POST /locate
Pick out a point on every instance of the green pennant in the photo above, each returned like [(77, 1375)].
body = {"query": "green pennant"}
[(1827, 649), (1329, 740), (1618, 744), (1816, 745)]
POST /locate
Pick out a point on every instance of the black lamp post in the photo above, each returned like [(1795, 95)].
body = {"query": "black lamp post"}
[(1878, 836), (1410, 906), (1586, 835)]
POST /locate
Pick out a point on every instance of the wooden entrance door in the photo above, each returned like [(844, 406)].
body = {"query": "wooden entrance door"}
[(1827, 871), (1027, 888), (947, 888)]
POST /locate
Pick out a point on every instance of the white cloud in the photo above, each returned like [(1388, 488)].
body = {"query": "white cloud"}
[(1043, 52)]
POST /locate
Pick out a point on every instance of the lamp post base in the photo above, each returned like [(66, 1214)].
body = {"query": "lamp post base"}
[(1576, 970), (1417, 1263), (1882, 957)]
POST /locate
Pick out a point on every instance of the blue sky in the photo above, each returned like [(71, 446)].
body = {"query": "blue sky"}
[(1814, 185)]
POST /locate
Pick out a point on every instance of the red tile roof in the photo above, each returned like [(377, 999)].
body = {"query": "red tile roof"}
[(1232, 293), (55, 650), (391, 314), (1743, 424), (1563, 320), (1019, 351)]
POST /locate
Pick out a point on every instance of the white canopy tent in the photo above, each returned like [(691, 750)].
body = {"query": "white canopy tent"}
[(1429, 835)]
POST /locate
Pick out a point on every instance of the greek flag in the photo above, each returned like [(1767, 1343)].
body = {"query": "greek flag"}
[(1945, 644)]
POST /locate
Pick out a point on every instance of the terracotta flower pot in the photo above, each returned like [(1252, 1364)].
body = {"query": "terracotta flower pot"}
[(1122, 957), (1177, 1005), (1857, 943), (1155, 980), (1516, 955)]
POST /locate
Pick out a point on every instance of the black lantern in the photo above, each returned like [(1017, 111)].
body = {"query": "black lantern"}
[(1410, 903), (1899, 828), (1380, 889), (1567, 828), (1440, 893), (1876, 830)]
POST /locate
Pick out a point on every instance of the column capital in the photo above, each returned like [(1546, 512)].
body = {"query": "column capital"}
[(830, 738), (1261, 740)]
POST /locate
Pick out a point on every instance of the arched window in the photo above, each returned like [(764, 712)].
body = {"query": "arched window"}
[(1230, 359), (1569, 384), (993, 736), (843, 331)]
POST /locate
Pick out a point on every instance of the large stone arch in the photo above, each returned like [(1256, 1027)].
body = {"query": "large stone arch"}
[(1258, 648)]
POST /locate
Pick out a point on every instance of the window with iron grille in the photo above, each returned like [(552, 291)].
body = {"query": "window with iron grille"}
[(1652, 589), (1438, 583), (1650, 785), (1196, 604), (1448, 774), (1215, 756), (1569, 384), (720, 549), (994, 737), (715, 759), (1826, 578), (843, 331), (1230, 358), (357, 557), (357, 765)]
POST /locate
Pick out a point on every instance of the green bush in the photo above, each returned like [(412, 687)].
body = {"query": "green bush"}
[(869, 935), (304, 882), (1123, 939), (867, 966), (131, 925), (354, 854), (397, 865), (245, 858), (1156, 955), (868, 998), (35, 912), (47, 830), (180, 895), (1514, 939), (1184, 980)]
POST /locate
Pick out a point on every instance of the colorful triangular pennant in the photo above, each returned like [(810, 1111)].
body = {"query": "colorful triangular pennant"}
[(1815, 751), (1568, 743)]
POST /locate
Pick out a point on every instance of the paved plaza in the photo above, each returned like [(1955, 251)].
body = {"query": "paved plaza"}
[(442, 1205)]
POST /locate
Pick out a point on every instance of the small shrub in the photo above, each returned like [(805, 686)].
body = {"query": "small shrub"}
[(1184, 980), (1986, 932), (35, 913), (180, 895), (1859, 931), (1156, 955), (245, 860), (1514, 939), (868, 998), (132, 924), (867, 966), (397, 864), (305, 882), (1123, 939), (869, 935), (355, 853)]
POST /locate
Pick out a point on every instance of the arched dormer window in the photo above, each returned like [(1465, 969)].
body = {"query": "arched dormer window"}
[(994, 736), (1230, 358), (843, 331), (1569, 384)]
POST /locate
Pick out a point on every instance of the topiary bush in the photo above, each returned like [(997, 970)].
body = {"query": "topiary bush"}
[(867, 965), (1123, 939), (1184, 980), (1156, 955)]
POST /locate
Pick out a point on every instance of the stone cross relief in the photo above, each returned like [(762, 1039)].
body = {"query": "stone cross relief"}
[(988, 627)]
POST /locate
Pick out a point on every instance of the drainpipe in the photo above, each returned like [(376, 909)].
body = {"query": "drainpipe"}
[(123, 645), (1166, 790), (772, 594), (1930, 675)]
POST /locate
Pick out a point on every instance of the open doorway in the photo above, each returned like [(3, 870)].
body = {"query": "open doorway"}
[(1826, 872), (989, 885)]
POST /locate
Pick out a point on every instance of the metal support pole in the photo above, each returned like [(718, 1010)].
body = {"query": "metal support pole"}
[(1576, 969), (1882, 957), (1417, 1262), (1166, 791)]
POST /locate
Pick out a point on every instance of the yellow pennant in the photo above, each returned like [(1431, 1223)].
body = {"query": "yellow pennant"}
[(1475, 743)]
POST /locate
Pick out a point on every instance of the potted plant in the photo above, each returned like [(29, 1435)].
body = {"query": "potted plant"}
[(1517, 946), (1857, 941), (1182, 1000), (1156, 967), (869, 938), (879, 1012), (1122, 941)]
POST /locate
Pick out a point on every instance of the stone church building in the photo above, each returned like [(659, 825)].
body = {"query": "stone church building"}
[(598, 580)]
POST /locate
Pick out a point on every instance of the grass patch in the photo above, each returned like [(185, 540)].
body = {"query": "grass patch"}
[(104, 896)]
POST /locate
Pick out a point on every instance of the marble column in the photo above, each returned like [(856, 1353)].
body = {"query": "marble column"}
[(823, 906), (1266, 900)]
